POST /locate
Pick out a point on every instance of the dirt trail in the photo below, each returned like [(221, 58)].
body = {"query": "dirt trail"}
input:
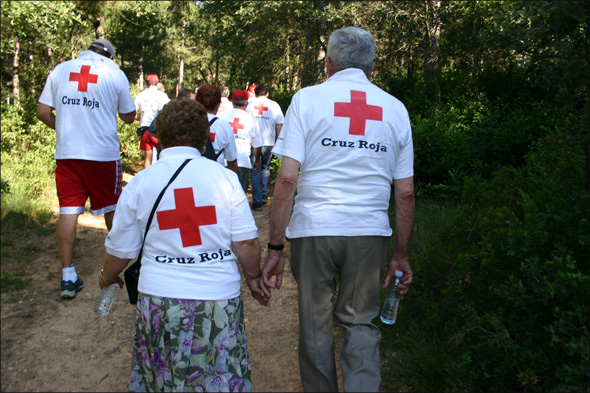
[(51, 345)]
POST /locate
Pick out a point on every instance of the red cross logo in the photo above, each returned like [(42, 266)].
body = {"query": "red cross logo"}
[(187, 217), (84, 77), (261, 108), (358, 111), (212, 137), (236, 125)]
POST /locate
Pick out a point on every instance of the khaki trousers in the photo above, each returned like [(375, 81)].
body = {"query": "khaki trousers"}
[(316, 262)]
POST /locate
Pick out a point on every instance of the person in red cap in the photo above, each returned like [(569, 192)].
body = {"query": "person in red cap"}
[(246, 139), (148, 103)]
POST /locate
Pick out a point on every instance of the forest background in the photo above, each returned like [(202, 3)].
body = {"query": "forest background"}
[(498, 96)]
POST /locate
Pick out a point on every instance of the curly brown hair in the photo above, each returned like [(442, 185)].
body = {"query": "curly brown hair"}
[(183, 122), (209, 96)]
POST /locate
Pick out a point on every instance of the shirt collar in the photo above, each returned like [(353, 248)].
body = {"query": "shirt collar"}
[(349, 73), (172, 153)]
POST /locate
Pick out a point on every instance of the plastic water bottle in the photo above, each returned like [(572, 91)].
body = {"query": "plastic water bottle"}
[(105, 300), (391, 302)]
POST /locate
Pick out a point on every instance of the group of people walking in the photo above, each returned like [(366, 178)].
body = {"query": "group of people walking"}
[(243, 138), (343, 145)]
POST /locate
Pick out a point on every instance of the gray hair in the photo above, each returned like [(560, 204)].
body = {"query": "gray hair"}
[(352, 47)]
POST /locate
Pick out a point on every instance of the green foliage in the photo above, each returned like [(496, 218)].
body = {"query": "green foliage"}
[(282, 97), (501, 301), (27, 153), (12, 281), (129, 141), (476, 138)]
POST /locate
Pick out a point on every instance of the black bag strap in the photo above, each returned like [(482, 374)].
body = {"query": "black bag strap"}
[(221, 151), (149, 222)]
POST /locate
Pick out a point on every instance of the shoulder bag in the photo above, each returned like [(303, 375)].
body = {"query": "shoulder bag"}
[(131, 274)]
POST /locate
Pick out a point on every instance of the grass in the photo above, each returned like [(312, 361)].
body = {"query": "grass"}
[(12, 281), (22, 218), (19, 211), (410, 347)]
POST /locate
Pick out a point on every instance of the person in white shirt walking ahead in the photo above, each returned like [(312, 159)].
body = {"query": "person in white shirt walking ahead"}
[(247, 142), (268, 121), (86, 93), (343, 144), (148, 103)]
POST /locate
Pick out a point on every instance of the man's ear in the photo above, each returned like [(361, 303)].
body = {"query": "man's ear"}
[(330, 67), (371, 70)]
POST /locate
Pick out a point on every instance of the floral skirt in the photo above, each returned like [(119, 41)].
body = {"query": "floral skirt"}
[(184, 345)]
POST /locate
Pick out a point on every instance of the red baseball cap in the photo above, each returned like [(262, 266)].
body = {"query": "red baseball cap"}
[(239, 95), (153, 77), (251, 88)]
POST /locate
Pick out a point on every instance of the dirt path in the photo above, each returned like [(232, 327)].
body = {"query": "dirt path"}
[(51, 345)]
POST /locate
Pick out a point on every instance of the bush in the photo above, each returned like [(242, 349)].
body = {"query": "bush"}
[(521, 290), (130, 153), (469, 138), (501, 295), (27, 153), (28, 165)]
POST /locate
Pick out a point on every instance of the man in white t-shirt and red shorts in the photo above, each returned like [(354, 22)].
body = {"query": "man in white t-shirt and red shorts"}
[(148, 104), (86, 94), (343, 144)]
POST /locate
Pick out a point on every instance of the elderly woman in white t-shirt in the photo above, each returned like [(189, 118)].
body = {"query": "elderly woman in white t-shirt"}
[(190, 332)]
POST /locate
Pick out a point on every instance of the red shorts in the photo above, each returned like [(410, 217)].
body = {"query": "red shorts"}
[(78, 180), (148, 142)]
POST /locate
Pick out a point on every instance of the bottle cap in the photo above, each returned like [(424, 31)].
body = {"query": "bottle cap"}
[(398, 273)]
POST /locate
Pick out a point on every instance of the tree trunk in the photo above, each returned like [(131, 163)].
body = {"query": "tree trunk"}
[(308, 57), (140, 78), (100, 27), (31, 66), (475, 55), (15, 71), (72, 47), (180, 74), (49, 55), (216, 79), (181, 60), (434, 28), (287, 68)]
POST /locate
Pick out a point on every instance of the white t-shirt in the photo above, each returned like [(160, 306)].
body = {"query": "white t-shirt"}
[(188, 250), (222, 137), (349, 155), (267, 114), (243, 128), (225, 105), (149, 103), (86, 94)]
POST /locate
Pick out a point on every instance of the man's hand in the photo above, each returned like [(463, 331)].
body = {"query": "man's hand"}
[(273, 266), (405, 281)]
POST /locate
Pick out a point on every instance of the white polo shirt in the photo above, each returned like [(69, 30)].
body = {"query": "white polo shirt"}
[(222, 137), (352, 140), (149, 103), (267, 114), (243, 127), (86, 94), (188, 250), (225, 105)]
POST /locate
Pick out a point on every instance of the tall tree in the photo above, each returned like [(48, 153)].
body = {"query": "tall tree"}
[(35, 29), (432, 63)]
